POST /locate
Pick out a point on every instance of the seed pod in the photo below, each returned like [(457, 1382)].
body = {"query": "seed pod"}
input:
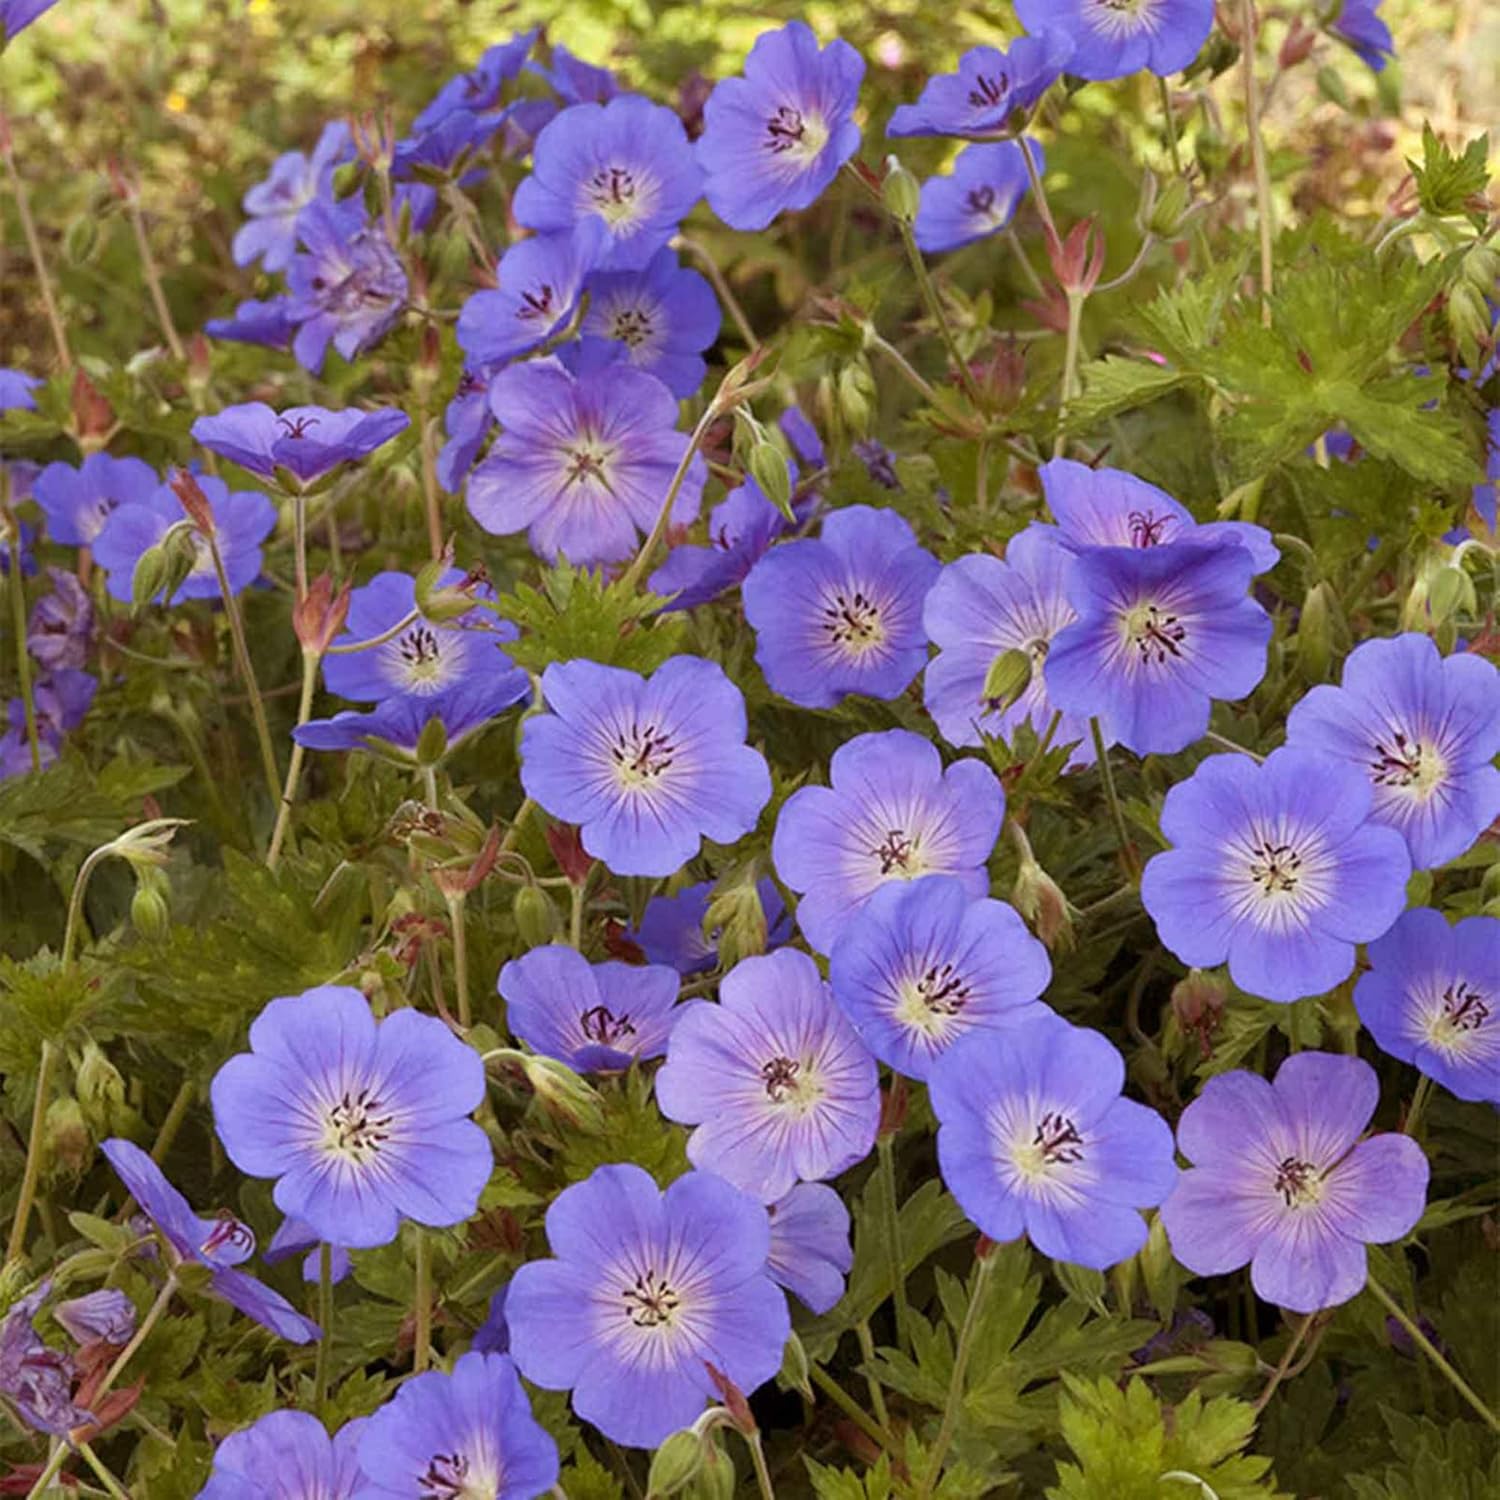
[(674, 1465), (900, 192), (1315, 633), (768, 467), (1008, 678), (537, 919), (150, 914)]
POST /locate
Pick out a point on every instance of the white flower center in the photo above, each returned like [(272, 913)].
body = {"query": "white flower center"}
[(1117, 19)]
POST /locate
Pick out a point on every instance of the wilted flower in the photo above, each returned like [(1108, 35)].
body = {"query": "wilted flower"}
[(597, 1018), (78, 502), (890, 813), (977, 200), (307, 441), (362, 1123), (775, 1078), (1034, 1138), (1282, 1179), (1277, 868), (923, 965), (1432, 998), (648, 1288), (1111, 39), (102, 1317), (288, 1455), (61, 627), (987, 89), (276, 205), (775, 138), (810, 1249), (646, 766), (537, 285), (36, 1380), (467, 422), (671, 931), (1424, 730)]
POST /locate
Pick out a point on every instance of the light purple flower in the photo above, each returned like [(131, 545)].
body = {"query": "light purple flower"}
[(988, 87), (891, 812), (396, 727), (978, 199), (36, 1379), (269, 324), (102, 1317), (1358, 24), (810, 1249), (16, 387), (275, 205), (467, 422), (61, 699), (308, 442), (287, 1455), (672, 931), (576, 81), (1112, 39), (61, 628), (1282, 1179), (296, 1237), (479, 89), (77, 502)]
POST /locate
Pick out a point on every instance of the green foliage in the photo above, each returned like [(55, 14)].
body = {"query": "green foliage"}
[(1450, 185), (1458, 1460)]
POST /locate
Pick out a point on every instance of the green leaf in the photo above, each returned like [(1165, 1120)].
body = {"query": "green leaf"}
[(1449, 186), (1113, 385), (68, 804)]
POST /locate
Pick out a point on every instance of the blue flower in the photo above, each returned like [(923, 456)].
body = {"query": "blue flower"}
[(1160, 634), (664, 317), (890, 813), (539, 282), (467, 1433), (776, 1080), (467, 422), (1110, 508), (810, 1249), (924, 965), (774, 139), (60, 630), (842, 614), (479, 89), (597, 1018), (803, 437), (671, 931), (646, 766), (220, 1244), (37, 1380), (103, 1317), (980, 607), (1111, 39), (988, 88), (582, 462), (445, 151), (348, 289), (1424, 730), (271, 325), (288, 1455), (647, 1289), (16, 15), (576, 81), (394, 728), (61, 699), (242, 521), (1035, 1139), (1432, 998), (493, 1335), (425, 658), (297, 1237), (16, 387), (1277, 868), (626, 164), (77, 502), (1358, 24), (361, 1123), (308, 442), (275, 205), (979, 199)]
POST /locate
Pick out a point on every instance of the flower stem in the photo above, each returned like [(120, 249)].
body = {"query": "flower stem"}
[(1076, 300), (153, 277), (325, 1322), (455, 900), (348, 649), (1418, 1106), (1112, 796), (939, 316), (513, 833), (1170, 120), (299, 542), (294, 766), (758, 1460), (34, 247), (849, 1406), (431, 494), (45, 1478), (176, 1114), (1279, 1373), (422, 1338), (575, 915), (877, 1393), (1425, 1344), (722, 287), (15, 586), (1038, 191), (886, 1149), (107, 1479), (635, 572), (153, 1313), (34, 1147), (954, 1403), (1250, 28)]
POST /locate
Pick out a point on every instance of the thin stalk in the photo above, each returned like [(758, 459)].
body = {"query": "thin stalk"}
[(368, 644), (325, 1323), (176, 1114), (575, 916), (299, 542), (153, 1313), (45, 1478), (982, 476), (1112, 796), (1250, 30), (954, 1403), (849, 1406), (431, 494), (758, 1462), (1229, 744), (1070, 367), (294, 766), (15, 586), (107, 1479), (877, 1391), (908, 371), (1170, 120), (1419, 1098), (1425, 1344), (637, 569), (1038, 191), (456, 903), (514, 831), (422, 1336), (1023, 260), (1280, 1372), (34, 1147), (75, 901), (722, 287), (153, 277), (34, 247), (886, 1149), (939, 316)]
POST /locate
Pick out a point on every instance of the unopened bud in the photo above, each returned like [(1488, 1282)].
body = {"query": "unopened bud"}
[(856, 396), (796, 1371), (716, 1480), (1008, 678), (432, 743), (68, 1143), (900, 192), (93, 416), (1315, 633), (1331, 87), (1078, 260), (1039, 898), (148, 578), (1297, 45), (1198, 1001), (770, 470), (562, 1094), (440, 602), (192, 499), (1449, 590), (319, 615), (1171, 210), (572, 858), (537, 919), (735, 912), (674, 1465), (150, 913), (100, 1089)]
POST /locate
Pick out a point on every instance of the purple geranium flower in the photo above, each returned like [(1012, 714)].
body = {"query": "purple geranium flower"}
[(597, 1018), (287, 1455), (775, 1078), (297, 1237), (308, 442), (977, 200), (103, 1317), (539, 280), (626, 164), (467, 422), (583, 462), (348, 289), (493, 1335), (37, 1380), (774, 139), (1111, 39), (923, 965), (647, 1289), (671, 931), (1034, 1138), (276, 205), (1110, 508), (16, 387), (61, 699), (988, 88), (576, 81), (891, 812), (1281, 1179), (61, 628), (78, 502), (17, 15), (396, 726), (842, 614), (425, 658), (1160, 634), (1358, 24), (1277, 868), (803, 436), (362, 1123), (220, 1244), (1424, 730), (646, 766), (1432, 998), (479, 89), (271, 325), (466, 1433), (810, 1249), (980, 607), (664, 317), (242, 521), (445, 151)]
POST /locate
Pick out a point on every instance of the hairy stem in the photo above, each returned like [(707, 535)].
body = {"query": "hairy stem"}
[(939, 316), (1112, 796), (849, 1406), (1076, 300), (1249, 26), (456, 920), (34, 248), (636, 571), (104, 1476), (877, 1391), (1279, 1373), (722, 287), (153, 1314), (954, 1404), (325, 1323), (34, 1147), (15, 586), (153, 278), (422, 1336), (294, 766), (886, 1149)]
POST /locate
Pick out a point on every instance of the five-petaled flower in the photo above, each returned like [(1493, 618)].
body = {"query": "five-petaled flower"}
[(305, 442), (987, 89), (978, 199), (288, 1455), (1112, 38)]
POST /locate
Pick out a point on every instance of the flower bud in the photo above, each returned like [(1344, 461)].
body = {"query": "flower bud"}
[(1449, 590), (193, 501), (1171, 210), (147, 843), (1008, 678), (150, 913), (537, 919), (716, 1479), (561, 1093), (1078, 261), (69, 1146), (432, 743), (1039, 898), (735, 913), (1315, 633), (93, 416), (673, 1465), (795, 1369), (100, 1089), (572, 858), (1331, 87), (103, 1317), (856, 396), (900, 192), (1297, 45), (442, 602), (149, 577), (769, 469), (320, 614)]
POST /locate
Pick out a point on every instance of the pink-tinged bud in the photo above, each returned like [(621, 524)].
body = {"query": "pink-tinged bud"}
[(93, 416), (985, 1248), (733, 1398), (567, 849), (1078, 261), (320, 614), (199, 360), (1297, 45), (1197, 1003), (190, 494), (895, 1104)]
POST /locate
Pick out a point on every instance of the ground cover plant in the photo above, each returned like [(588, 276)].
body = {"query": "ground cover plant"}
[(748, 754)]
